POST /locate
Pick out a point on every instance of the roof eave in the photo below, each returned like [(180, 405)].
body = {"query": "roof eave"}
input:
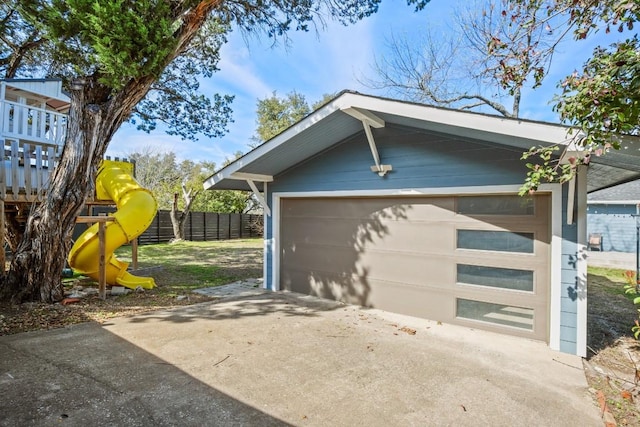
[(514, 132)]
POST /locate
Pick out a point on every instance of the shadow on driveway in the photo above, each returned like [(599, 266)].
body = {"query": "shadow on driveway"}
[(276, 358), (86, 376)]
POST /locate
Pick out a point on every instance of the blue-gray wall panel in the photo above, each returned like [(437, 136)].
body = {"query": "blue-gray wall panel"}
[(568, 304), (616, 224), (568, 347), (569, 285), (569, 319), (568, 333), (418, 160)]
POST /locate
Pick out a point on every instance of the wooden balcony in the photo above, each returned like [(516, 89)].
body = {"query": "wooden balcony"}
[(25, 170), (33, 129), (28, 123)]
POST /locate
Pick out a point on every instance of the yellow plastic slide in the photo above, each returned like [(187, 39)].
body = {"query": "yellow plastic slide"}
[(136, 208)]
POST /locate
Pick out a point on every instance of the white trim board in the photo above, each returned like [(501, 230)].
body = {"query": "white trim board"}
[(556, 232), (613, 202), (581, 269)]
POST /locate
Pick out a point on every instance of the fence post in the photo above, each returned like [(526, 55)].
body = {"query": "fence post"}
[(241, 226), (190, 226), (229, 226), (204, 225)]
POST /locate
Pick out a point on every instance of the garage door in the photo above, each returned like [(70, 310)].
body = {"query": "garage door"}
[(480, 261)]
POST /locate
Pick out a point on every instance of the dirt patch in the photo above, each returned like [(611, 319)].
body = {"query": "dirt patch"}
[(35, 316), (177, 269), (613, 353)]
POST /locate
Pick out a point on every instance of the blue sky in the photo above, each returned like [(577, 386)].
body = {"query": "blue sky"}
[(315, 63)]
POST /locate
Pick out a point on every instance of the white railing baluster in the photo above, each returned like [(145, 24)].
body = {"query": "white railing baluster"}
[(39, 179), (21, 121), (26, 155), (15, 171), (3, 171)]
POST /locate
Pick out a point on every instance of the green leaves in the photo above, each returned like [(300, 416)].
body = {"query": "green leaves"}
[(604, 99), (546, 168), (120, 39), (277, 114)]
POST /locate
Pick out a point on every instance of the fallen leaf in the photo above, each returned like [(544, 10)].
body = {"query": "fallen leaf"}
[(408, 330)]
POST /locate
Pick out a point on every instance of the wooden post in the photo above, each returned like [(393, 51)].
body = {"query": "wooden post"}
[(102, 284), (134, 253), (102, 262), (2, 260)]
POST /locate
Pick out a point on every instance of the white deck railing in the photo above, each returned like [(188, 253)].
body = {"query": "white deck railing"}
[(24, 122), (25, 169)]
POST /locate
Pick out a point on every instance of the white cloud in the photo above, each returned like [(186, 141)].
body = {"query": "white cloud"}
[(129, 140)]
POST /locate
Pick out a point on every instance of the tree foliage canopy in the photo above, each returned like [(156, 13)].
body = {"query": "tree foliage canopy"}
[(275, 114), (164, 175), (601, 101), (111, 55)]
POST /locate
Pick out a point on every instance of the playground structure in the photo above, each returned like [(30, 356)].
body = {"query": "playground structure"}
[(33, 128), (136, 208)]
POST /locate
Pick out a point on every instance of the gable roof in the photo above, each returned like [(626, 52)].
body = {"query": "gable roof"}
[(344, 116), (627, 193)]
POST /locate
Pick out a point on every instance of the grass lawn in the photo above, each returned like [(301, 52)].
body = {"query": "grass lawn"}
[(181, 267)]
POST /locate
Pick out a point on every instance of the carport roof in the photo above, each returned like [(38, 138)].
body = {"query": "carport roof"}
[(345, 115)]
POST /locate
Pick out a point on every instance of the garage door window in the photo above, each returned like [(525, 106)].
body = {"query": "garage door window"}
[(517, 317), (495, 205), (503, 241), (503, 278)]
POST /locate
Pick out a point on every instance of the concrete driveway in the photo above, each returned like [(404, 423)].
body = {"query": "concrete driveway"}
[(278, 359)]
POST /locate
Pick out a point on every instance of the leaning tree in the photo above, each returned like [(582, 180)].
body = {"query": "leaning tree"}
[(111, 55)]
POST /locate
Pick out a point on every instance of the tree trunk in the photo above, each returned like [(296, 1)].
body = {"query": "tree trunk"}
[(95, 115), (178, 219), (97, 111), (14, 225)]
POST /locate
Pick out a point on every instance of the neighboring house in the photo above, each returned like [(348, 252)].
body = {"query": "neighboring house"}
[(414, 209), (611, 216)]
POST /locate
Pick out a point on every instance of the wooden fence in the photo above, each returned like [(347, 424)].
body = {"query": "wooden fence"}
[(200, 226)]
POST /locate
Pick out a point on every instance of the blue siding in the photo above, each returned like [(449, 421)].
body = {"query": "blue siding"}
[(268, 236), (419, 161), (569, 281), (616, 224)]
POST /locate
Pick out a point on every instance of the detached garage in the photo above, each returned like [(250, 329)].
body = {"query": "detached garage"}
[(414, 209)]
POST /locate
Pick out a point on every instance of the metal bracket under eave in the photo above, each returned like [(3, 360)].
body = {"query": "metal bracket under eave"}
[(370, 120)]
